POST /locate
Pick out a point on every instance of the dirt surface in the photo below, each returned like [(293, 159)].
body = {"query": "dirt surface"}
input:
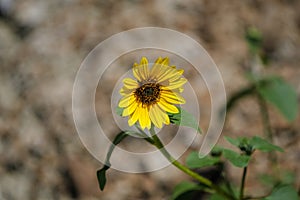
[(42, 44)]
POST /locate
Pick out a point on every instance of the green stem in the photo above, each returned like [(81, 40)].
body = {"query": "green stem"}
[(265, 118), (243, 183), (267, 125), (201, 179)]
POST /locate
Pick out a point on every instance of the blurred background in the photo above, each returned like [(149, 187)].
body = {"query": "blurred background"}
[(42, 44)]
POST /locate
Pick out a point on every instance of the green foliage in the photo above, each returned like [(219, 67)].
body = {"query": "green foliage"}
[(119, 110), (238, 160), (216, 196), (101, 173), (283, 96), (272, 89), (101, 176), (283, 192), (247, 144), (184, 187), (184, 118), (263, 145), (235, 142), (227, 188), (194, 161), (285, 177)]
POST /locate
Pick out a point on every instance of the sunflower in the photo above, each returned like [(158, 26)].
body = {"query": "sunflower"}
[(152, 94)]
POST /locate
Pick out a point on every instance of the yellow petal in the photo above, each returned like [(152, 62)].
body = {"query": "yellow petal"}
[(172, 97), (167, 107), (180, 71), (130, 83), (158, 60), (126, 101), (170, 73), (125, 91), (167, 119), (176, 84), (144, 68), (156, 116), (135, 116), (136, 73), (144, 118), (165, 61), (130, 109), (159, 67)]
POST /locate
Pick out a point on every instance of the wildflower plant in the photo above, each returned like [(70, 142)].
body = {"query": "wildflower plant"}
[(153, 98)]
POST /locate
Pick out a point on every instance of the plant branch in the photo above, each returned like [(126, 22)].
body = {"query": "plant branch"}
[(266, 124), (238, 95), (158, 144), (265, 118)]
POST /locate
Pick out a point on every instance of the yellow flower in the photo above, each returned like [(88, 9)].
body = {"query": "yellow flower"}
[(154, 93)]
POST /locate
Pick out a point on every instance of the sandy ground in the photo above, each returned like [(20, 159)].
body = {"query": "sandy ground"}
[(42, 44)]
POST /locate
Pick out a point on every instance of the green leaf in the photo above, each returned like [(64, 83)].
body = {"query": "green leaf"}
[(228, 188), (242, 143), (282, 96), (184, 187), (216, 196), (101, 173), (235, 142), (283, 192), (238, 160), (263, 145), (216, 151), (101, 176), (119, 110), (184, 118), (249, 145), (193, 160)]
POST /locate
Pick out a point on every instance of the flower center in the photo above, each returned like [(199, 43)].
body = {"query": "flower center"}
[(148, 93)]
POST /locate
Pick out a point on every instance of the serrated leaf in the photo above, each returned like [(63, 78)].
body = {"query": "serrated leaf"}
[(193, 160), (263, 145), (282, 96), (184, 118), (238, 160), (283, 192), (184, 187)]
